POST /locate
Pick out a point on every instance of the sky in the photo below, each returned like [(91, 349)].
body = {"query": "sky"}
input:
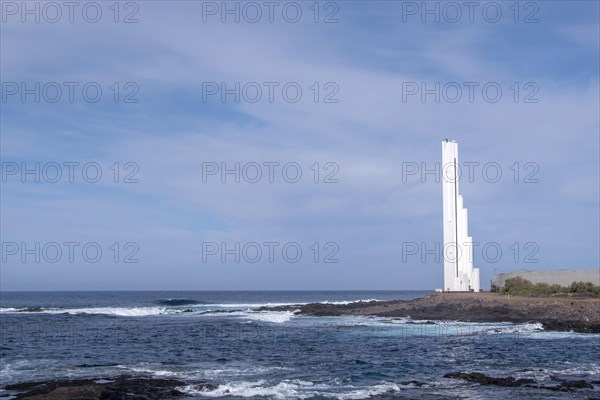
[(164, 145)]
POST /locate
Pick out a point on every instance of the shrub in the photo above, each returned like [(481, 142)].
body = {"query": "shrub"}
[(584, 288), (518, 286)]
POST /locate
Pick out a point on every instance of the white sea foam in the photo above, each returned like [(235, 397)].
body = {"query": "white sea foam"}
[(265, 316), (201, 371), (258, 305), (503, 328), (150, 370), (228, 372), (405, 325), (283, 316), (448, 325), (346, 302), (248, 305), (31, 369), (118, 311), (382, 388), (121, 311), (276, 317), (291, 389), (586, 369), (409, 327), (542, 374)]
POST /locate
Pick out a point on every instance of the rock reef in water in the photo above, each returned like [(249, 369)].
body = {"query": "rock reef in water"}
[(558, 313), (562, 385), (122, 387)]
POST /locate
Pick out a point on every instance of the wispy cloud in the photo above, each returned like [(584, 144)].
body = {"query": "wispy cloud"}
[(370, 134)]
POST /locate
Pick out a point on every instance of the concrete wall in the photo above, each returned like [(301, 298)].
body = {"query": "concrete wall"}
[(563, 277)]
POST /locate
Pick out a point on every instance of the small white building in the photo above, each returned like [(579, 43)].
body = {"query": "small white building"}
[(459, 274)]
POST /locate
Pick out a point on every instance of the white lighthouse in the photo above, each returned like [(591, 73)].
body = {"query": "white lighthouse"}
[(459, 274)]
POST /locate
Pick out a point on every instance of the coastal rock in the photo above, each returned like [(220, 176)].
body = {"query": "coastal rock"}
[(483, 379), (413, 383), (571, 385), (122, 387), (578, 314), (575, 326), (564, 385)]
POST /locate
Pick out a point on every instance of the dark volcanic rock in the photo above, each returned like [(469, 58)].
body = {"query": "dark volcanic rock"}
[(123, 387), (489, 380), (477, 377), (571, 385), (413, 382), (575, 326), (581, 314)]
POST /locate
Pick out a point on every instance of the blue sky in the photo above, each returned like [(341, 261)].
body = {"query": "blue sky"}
[(370, 133)]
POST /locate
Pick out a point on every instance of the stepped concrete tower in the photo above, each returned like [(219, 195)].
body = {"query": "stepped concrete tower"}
[(459, 274)]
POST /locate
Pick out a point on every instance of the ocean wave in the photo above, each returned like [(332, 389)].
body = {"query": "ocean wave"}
[(528, 327), (161, 373), (406, 326), (117, 311), (120, 311), (164, 306), (265, 316), (232, 372), (585, 369), (253, 305), (276, 317), (544, 374), (201, 372), (382, 388), (179, 302), (395, 326), (292, 389), (258, 305), (345, 303)]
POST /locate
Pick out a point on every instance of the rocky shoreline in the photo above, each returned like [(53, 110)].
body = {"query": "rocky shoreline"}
[(122, 387), (556, 313), (126, 387)]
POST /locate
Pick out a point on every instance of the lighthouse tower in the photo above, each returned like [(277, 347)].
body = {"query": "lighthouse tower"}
[(459, 274)]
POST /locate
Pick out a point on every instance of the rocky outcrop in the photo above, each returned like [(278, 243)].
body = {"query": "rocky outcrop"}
[(562, 385), (122, 387), (566, 313), (488, 380)]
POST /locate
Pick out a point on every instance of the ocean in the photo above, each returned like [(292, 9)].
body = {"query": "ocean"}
[(221, 337)]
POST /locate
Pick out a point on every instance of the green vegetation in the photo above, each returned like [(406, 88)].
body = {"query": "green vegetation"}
[(522, 287)]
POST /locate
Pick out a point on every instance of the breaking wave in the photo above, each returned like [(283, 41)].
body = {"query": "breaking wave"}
[(117, 311), (292, 389), (179, 302)]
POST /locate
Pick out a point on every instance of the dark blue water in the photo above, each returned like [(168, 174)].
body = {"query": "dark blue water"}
[(221, 338)]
